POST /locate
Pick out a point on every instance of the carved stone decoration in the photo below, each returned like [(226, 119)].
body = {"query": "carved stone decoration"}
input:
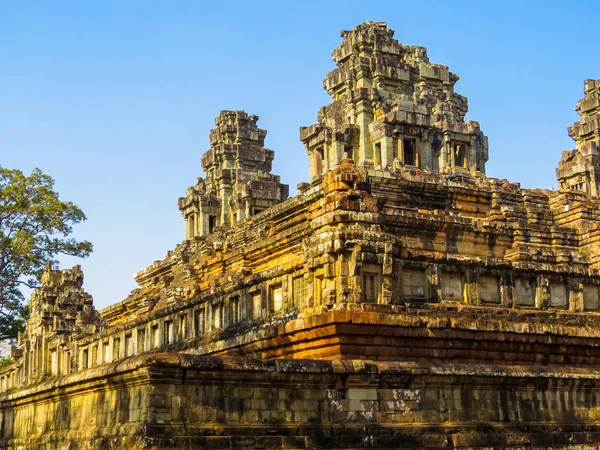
[(391, 106), (579, 169), (238, 183)]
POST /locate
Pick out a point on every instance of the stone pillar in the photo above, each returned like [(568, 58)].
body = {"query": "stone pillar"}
[(364, 118)]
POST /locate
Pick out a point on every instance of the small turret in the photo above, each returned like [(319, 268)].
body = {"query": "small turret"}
[(579, 169), (238, 183)]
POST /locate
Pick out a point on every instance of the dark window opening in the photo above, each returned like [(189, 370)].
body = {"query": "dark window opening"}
[(409, 152), (460, 155), (348, 151), (212, 223)]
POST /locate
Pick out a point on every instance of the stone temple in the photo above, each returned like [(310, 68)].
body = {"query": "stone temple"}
[(401, 299)]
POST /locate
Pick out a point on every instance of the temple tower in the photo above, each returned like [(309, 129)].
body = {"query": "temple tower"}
[(59, 310), (579, 169), (392, 107), (238, 183)]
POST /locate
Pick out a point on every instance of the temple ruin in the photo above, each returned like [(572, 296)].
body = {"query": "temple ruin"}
[(402, 299)]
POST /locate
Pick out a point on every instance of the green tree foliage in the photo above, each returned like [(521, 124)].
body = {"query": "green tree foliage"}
[(34, 228)]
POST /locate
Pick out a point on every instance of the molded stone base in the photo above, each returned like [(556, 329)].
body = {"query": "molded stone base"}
[(175, 401)]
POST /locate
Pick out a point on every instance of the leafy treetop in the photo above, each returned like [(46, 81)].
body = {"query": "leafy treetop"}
[(34, 228)]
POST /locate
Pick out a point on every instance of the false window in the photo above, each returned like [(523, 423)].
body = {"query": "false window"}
[(526, 290), (276, 297), (460, 155), (128, 345), (452, 286), (371, 283), (67, 362), (414, 283), (182, 328), (84, 359), (298, 290), (235, 309), (168, 332), (318, 291), (489, 289), (212, 223), (141, 340), (116, 349), (218, 315), (370, 288), (377, 155), (319, 157), (199, 321), (155, 336), (256, 305), (559, 296), (590, 297), (53, 362), (94, 355), (105, 352), (191, 226), (409, 153)]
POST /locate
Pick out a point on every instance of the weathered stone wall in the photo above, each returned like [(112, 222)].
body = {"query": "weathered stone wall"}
[(169, 401), (397, 244), (579, 169)]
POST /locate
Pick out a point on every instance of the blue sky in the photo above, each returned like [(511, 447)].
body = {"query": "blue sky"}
[(115, 100)]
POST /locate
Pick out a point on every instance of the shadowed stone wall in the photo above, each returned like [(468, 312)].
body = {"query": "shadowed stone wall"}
[(169, 401)]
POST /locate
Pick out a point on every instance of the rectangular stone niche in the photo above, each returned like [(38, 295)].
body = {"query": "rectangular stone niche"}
[(525, 290), (559, 296), (452, 286), (414, 283), (590, 297), (489, 289)]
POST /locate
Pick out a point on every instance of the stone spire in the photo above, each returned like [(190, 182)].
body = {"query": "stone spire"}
[(238, 183), (391, 106), (579, 169)]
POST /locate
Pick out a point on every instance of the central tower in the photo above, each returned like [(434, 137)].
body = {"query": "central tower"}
[(391, 107)]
